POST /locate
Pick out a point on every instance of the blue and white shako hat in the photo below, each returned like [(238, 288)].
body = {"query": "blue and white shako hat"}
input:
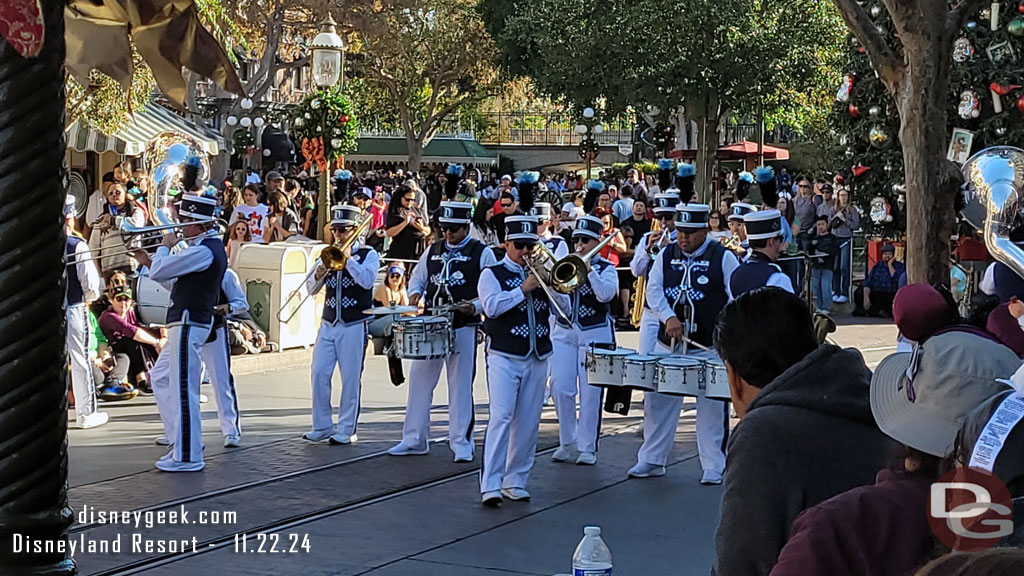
[(740, 209), (521, 228), (542, 210), (665, 202), (692, 216), (590, 226), (455, 213), (345, 215), (69, 205), (196, 207), (763, 225)]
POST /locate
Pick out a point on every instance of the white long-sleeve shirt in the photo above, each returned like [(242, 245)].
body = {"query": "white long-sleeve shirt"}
[(655, 282), (641, 262), (232, 288), (421, 276), (363, 273), (167, 267), (88, 275), (496, 301), (561, 250)]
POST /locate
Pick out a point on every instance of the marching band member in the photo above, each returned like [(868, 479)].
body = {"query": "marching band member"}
[(84, 285), (665, 212), (216, 354), (516, 313), (555, 243), (687, 288), (739, 243), (591, 323), (764, 232), (196, 274), (341, 340), (447, 273)]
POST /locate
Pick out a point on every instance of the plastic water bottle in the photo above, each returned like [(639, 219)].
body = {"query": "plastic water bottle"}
[(592, 557)]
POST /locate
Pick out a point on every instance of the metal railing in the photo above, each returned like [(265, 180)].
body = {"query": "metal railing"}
[(546, 129)]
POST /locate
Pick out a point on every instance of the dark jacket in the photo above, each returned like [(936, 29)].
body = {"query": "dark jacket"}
[(824, 244), (807, 436), (879, 530)]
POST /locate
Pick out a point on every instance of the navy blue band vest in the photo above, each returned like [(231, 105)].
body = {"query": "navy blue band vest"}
[(587, 311), (463, 276), (706, 289), (553, 243), (752, 274), (218, 320), (524, 329), (74, 293), (198, 292), (1008, 283), (342, 293)]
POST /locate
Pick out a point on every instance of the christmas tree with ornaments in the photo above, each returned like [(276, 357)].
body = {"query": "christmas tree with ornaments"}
[(986, 104)]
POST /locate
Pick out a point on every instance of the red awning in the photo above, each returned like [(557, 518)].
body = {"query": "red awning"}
[(737, 151)]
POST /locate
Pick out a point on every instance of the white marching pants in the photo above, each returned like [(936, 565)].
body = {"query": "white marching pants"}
[(569, 378), (648, 332), (344, 347), (516, 390), (78, 348), (661, 418), (217, 360), (423, 377), (176, 378)]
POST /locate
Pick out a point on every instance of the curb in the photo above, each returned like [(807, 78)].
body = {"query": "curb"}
[(271, 361)]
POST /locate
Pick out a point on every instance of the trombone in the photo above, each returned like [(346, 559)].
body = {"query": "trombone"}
[(566, 275), (129, 232), (333, 259)]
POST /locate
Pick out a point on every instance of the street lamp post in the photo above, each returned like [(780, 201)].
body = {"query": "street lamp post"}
[(328, 69), (588, 129)]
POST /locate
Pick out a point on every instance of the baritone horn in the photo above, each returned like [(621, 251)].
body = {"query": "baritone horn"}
[(332, 258), (993, 202)]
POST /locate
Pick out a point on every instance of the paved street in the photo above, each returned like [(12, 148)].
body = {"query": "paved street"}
[(358, 511)]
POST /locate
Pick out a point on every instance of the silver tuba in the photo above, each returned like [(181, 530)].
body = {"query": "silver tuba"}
[(172, 159), (993, 202)]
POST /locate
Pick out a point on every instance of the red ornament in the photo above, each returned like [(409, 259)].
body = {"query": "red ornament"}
[(345, 118), (859, 169), (854, 111), (1020, 103), (1020, 7), (1003, 89)]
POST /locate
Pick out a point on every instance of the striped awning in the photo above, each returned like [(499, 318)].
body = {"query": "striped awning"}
[(145, 124)]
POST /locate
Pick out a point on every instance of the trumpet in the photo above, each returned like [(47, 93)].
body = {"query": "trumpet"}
[(332, 258), (152, 237)]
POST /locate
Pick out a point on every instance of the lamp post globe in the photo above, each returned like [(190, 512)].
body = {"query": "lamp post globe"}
[(588, 112), (327, 49)]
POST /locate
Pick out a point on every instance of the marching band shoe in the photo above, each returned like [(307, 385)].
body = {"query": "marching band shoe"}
[(162, 440), (316, 436), (340, 438), (86, 421), (516, 494), (586, 459), (645, 470), (491, 499), (203, 399), (464, 457), (563, 454), (232, 441), (711, 478), (403, 449), (170, 465)]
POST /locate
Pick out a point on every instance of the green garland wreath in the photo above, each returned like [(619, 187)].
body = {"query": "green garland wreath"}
[(328, 114)]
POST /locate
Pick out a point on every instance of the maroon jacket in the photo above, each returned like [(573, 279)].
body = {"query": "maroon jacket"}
[(879, 530)]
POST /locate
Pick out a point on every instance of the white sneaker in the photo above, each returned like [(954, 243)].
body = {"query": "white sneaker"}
[(492, 498), (171, 465), (464, 457), (843, 300), (562, 454), (231, 441), (340, 438), (162, 440), (86, 421), (403, 449), (837, 298), (516, 494), (711, 478), (586, 459), (316, 436), (203, 399), (645, 470)]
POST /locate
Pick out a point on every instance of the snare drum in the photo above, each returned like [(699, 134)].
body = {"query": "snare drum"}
[(604, 367), (680, 375), (152, 302), (716, 380), (423, 338), (640, 372)]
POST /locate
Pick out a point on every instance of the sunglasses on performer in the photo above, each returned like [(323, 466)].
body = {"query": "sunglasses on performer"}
[(451, 227), (665, 216), (523, 245)]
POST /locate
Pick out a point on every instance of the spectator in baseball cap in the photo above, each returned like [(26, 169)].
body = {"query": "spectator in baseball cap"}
[(275, 182), (920, 399)]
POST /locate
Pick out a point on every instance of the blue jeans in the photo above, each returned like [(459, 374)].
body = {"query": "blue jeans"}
[(844, 267), (821, 287)]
